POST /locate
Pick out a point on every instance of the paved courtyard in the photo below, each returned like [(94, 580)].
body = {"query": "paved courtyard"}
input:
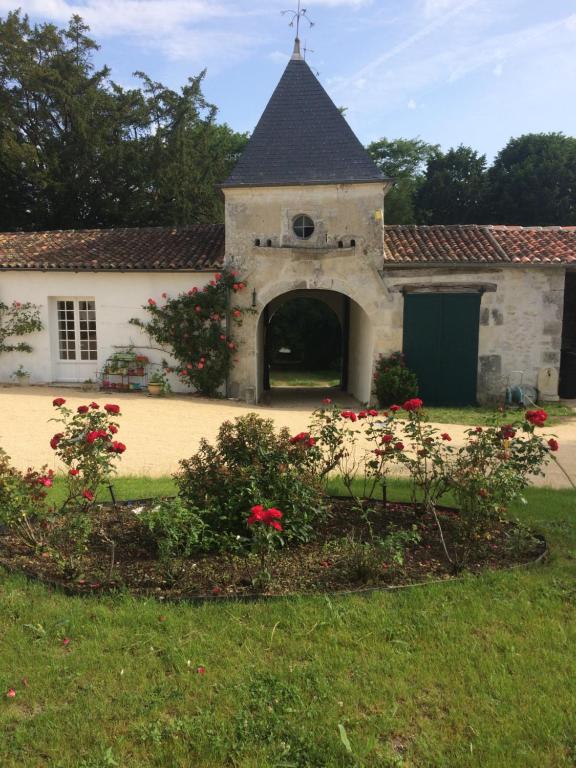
[(159, 432)]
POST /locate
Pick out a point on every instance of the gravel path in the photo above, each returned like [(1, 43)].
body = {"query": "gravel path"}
[(160, 431)]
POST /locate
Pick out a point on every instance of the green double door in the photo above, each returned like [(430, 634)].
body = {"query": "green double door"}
[(441, 345)]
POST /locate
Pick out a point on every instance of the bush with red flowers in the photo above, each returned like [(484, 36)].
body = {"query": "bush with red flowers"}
[(265, 527), (195, 328), (393, 381), (85, 446), (23, 508), (250, 464)]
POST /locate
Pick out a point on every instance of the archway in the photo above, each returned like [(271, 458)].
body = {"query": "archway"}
[(304, 343), (353, 365)]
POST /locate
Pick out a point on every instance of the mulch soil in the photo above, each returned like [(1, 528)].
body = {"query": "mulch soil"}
[(328, 564)]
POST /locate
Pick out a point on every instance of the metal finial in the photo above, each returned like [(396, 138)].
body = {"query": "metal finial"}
[(295, 16)]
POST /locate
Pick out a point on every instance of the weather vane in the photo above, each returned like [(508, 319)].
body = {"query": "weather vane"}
[(301, 13)]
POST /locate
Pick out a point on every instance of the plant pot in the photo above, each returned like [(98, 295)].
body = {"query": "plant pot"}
[(155, 389), (23, 381)]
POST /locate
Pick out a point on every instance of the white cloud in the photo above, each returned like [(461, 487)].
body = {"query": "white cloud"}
[(279, 57), (436, 7), (411, 104)]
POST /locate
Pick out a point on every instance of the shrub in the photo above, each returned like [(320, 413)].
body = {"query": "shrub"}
[(393, 381), (177, 530), (18, 319), (23, 508), (194, 327), (88, 448), (252, 464)]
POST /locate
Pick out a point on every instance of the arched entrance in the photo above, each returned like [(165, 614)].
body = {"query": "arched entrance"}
[(324, 335), (305, 342)]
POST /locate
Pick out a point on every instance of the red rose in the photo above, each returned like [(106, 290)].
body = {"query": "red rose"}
[(82, 409), (445, 436), (117, 447), (113, 429), (111, 408), (57, 402), (413, 405), (327, 401), (379, 452), (95, 406), (399, 446), (74, 472), (479, 430), (507, 432), (55, 440), (537, 418), (553, 444), (362, 414), (237, 313), (267, 516), (394, 408), (372, 412), (88, 494), (11, 693), (217, 276), (387, 438), (198, 308)]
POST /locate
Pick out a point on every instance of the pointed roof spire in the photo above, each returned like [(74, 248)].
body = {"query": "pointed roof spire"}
[(296, 55), (302, 138)]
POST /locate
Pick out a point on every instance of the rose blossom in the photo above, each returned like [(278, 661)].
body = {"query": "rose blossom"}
[(413, 405), (82, 409), (537, 418), (88, 494), (111, 408), (57, 402), (553, 444)]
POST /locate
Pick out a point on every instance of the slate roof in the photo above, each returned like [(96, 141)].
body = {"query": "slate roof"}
[(478, 244), (195, 248), (302, 138), (201, 247)]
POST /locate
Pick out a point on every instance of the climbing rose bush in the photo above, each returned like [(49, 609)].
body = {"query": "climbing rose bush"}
[(18, 319), (195, 328)]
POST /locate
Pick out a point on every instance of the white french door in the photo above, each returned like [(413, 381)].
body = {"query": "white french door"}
[(76, 341)]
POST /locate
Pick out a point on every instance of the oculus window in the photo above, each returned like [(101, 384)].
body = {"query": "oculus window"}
[(303, 226)]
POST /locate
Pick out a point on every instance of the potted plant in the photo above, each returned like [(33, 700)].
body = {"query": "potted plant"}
[(158, 384), (21, 376)]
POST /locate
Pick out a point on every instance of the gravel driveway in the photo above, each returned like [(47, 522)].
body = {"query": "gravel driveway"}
[(159, 432)]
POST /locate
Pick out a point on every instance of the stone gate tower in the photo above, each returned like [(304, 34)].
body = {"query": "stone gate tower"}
[(304, 211)]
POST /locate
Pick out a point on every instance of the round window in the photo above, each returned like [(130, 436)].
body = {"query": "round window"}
[(303, 226)]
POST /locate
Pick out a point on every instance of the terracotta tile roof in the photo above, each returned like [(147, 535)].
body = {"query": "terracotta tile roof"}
[(479, 244), (201, 247), (197, 248)]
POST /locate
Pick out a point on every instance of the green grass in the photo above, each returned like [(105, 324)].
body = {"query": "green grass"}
[(477, 672), (482, 415), (321, 379)]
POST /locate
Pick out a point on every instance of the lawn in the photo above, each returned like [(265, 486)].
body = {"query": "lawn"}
[(311, 379), (482, 415), (477, 672)]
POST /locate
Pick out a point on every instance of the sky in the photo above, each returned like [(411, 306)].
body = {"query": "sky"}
[(475, 72)]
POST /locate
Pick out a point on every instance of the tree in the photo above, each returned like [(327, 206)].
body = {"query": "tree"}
[(533, 181), (77, 150), (403, 160), (454, 188)]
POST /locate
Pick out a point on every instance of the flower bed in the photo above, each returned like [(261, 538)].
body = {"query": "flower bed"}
[(252, 515), (342, 557)]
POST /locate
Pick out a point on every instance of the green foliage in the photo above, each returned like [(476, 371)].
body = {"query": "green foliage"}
[(178, 530), (78, 150), (454, 188), (16, 320), (311, 330), (23, 508), (533, 181), (252, 464), (393, 381), (194, 327), (403, 160)]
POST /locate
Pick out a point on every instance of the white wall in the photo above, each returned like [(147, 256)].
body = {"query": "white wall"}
[(118, 297)]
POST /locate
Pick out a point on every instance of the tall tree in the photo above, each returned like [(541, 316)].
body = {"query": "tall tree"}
[(405, 161), (454, 188), (533, 181), (77, 150)]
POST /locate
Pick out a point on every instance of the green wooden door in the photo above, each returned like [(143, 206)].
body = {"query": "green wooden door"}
[(441, 345)]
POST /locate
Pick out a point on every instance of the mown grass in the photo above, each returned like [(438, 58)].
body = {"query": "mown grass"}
[(477, 672), (304, 378), (483, 415)]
